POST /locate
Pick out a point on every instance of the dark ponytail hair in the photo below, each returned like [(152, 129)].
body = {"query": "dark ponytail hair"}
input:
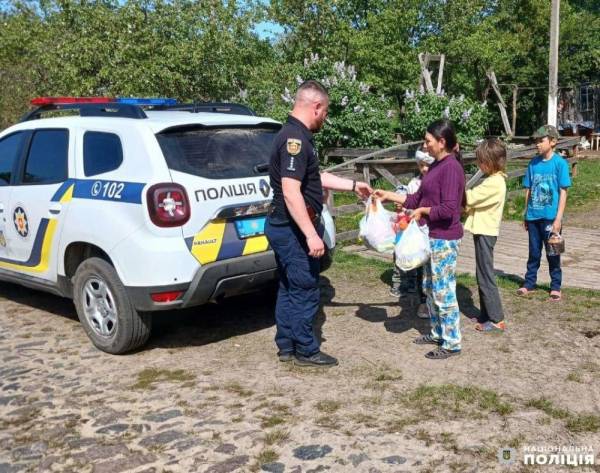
[(445, 129)]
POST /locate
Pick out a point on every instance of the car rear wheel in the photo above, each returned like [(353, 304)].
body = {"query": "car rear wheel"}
[(104, 310)]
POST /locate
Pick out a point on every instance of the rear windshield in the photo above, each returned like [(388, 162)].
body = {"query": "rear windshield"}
[(218, 153)]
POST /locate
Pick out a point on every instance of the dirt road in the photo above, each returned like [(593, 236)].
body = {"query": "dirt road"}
[(208, 395)]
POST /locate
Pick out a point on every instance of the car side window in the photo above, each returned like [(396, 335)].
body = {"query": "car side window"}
[(10, 150), (102, 152), (48, 157)]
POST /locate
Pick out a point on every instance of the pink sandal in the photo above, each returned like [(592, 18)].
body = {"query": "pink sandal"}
[(523, 291)]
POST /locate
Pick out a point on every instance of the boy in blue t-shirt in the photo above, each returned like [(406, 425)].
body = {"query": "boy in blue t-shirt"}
[(546, 182)]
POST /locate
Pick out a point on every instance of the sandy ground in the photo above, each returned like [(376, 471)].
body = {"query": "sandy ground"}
[(207, 393)]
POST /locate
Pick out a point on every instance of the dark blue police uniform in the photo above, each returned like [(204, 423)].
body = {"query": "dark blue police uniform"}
[(294, 156)]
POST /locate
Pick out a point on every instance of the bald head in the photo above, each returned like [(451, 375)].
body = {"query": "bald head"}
[(311, 104)]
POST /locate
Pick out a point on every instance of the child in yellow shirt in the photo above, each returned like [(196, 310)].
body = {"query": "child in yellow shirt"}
[(485, 203)]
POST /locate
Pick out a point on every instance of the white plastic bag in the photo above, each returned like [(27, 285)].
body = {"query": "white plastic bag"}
[(376, 227), (413, 249)]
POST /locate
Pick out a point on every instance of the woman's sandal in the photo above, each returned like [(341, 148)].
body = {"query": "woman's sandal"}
[(427, 340), (441, 354), (555, 296), (523, 291)]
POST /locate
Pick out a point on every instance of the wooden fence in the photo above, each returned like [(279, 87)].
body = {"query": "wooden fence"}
[(397, 163)]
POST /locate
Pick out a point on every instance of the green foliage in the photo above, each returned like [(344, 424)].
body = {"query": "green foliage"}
[(209, 51), (182, 49), (469, 117), (358, 118)]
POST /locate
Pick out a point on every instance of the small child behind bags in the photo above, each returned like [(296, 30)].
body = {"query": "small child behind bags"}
[(407, 282)]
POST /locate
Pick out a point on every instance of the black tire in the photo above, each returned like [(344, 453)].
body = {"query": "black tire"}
[(131, 329)]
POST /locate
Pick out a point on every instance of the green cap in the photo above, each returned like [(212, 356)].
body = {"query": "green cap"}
[(546, 130)]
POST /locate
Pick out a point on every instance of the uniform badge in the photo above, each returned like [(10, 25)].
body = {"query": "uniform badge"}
[(292, 165), (294, 146), (20, 221)]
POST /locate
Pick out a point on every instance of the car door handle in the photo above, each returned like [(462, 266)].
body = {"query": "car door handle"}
[(55, 208), (1, 208)]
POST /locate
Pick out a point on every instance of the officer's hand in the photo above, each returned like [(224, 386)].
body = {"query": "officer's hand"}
[(363, 190), (316, 247)]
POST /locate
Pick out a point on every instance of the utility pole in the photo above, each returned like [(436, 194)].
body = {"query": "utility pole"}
[(553, 68)]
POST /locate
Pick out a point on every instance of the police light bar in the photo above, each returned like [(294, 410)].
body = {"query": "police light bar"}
[(146, 101), (39, 101)]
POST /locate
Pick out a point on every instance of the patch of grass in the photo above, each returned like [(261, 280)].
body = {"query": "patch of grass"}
[(424, 436), (345, 223), (575, 376), (272, 421), (389, 375), (280, 408), (276, 437), (583, 423), (516, 442), (328, 422), (365, 419), (147, 378), (400, 423), (455, 400), (236, 388), (328, 406), (267, 456), (545, 405), (448, 440), (357, 267)]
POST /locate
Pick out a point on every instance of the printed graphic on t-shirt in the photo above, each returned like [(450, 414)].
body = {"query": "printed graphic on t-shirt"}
[(541, 191)]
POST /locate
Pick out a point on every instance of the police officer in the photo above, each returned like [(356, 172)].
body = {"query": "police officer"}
[(294, 229)]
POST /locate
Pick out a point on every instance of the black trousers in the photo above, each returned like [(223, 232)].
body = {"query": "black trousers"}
[(491, 306)]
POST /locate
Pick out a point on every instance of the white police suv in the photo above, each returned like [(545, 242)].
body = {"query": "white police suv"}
[(128, 210)]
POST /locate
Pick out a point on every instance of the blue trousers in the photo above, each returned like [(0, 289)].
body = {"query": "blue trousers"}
[(298, 296), (439, 283), (537, 236)]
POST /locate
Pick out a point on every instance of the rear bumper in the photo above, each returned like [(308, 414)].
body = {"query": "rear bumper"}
[(212, 282)]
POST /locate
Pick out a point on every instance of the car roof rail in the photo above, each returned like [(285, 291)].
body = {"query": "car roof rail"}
[(107, 109), (209, 107)]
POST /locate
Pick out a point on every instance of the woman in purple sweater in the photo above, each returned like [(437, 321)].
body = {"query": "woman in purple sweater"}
[(438, 204)]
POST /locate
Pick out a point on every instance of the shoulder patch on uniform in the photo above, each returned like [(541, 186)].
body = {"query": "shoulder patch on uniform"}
[(294, 146)]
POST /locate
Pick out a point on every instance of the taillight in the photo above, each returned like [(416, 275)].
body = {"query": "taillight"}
[(168, 205), (163, 297)]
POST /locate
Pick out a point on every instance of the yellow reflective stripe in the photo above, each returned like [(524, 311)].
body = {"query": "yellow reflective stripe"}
[(42, 266), (256, 245), (207, 242), (68, 195)]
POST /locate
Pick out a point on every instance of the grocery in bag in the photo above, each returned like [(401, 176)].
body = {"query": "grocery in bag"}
[(413, 250), (376, 227)]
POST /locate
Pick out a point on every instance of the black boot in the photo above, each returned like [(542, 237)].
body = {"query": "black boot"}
[(319, 359)]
